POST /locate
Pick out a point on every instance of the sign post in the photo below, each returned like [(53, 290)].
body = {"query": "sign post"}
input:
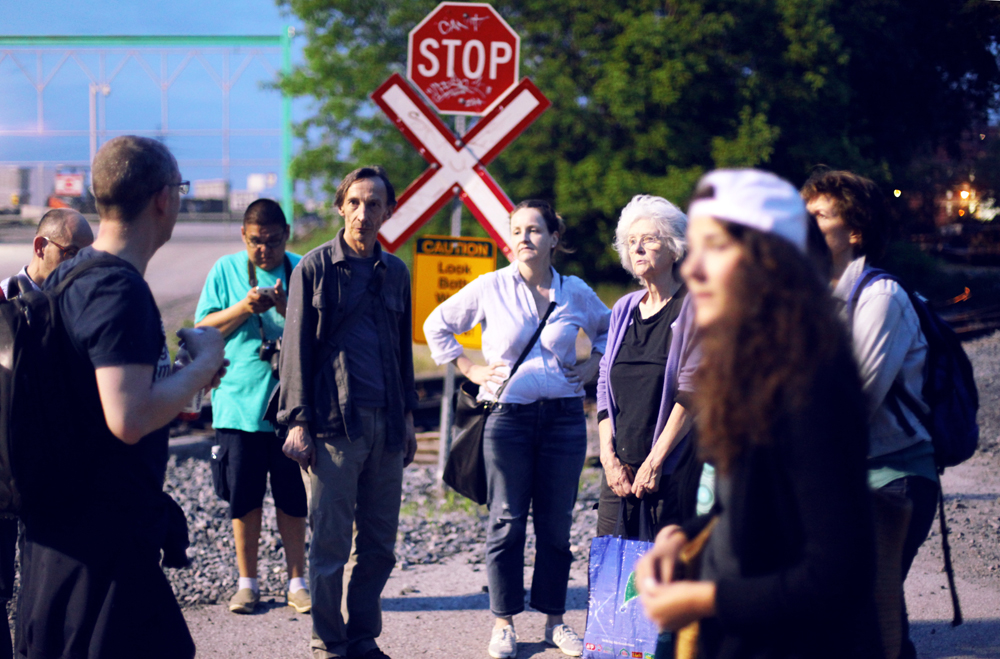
[(446, 420), (464, 59)]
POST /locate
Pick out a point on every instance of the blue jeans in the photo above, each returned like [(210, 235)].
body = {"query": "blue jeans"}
[(924, 495), (534, 455)]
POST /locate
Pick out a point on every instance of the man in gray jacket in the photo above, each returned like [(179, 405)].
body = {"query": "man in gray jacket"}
[(347, 396)]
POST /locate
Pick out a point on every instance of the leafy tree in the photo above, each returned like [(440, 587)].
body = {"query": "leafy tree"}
[(649, 95)]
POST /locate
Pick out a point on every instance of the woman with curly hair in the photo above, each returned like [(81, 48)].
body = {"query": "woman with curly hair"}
[(788, 568)]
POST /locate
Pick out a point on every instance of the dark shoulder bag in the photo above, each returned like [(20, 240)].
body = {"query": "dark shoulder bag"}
[(465, 471)]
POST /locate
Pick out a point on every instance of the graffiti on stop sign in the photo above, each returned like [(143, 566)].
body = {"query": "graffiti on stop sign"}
[(463, 57)]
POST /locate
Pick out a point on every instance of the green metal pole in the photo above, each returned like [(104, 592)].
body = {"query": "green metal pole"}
[(112, 41), (287, 184)]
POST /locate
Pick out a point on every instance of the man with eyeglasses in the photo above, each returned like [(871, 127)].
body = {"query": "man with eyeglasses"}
[(244, 297), (96, 518), (62, 232)]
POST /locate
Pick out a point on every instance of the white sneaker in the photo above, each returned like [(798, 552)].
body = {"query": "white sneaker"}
[(503, 643), (563, 637)]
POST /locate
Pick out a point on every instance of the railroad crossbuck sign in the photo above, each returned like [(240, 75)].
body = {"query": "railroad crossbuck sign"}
[(457, 164)]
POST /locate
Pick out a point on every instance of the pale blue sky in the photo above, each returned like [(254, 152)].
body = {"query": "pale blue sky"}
[(194, 100)]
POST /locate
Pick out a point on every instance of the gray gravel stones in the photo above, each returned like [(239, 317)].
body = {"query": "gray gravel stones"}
[(433, 527)]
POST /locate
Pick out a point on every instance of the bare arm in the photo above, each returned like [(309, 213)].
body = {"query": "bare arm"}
[(135, 406), (618, 475), (647, 479)]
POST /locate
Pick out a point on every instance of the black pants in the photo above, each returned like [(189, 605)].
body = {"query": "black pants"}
[(923, 493), (661, 505), (91, 587), (8, 549)]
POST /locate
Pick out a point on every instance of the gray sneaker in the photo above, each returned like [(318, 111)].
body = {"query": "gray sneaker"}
[(503, 643), (244, 601), (563, 637)]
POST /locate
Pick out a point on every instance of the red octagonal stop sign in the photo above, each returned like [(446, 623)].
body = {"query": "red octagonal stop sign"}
[(463, 57)]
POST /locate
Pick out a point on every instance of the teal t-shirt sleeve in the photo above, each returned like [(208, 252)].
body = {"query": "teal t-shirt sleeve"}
[(211, 299)]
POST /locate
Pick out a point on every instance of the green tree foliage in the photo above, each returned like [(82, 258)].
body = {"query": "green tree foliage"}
[(648, 95)]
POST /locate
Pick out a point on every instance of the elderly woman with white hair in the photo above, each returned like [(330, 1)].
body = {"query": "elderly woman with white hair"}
[(646, 372)]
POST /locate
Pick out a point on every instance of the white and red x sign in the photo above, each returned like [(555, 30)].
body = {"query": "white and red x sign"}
[(458, 165)]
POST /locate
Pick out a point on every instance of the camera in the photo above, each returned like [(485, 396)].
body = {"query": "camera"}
[(270, 352)]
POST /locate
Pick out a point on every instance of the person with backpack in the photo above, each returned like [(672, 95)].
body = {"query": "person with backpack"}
[(91, 475), (61, 233), (890, 349)]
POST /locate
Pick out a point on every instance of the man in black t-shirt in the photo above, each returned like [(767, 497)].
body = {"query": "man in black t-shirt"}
[(91, 582)]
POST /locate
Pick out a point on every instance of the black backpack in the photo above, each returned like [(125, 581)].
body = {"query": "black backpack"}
[(33, 356), (949, 386)]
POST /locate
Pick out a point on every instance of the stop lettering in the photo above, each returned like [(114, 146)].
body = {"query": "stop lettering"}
[(463, 57)]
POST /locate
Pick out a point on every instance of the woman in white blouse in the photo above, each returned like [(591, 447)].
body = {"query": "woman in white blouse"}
[(536, 438)]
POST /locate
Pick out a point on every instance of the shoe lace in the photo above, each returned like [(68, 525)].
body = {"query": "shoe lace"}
[(506, 634), (565, 633)]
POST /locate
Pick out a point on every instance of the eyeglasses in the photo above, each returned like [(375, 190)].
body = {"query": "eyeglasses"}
[(254, 242), (183, 187), (646, 241), (68, 251)]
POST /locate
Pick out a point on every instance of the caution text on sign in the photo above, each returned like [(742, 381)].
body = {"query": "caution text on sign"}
[(442, 265)]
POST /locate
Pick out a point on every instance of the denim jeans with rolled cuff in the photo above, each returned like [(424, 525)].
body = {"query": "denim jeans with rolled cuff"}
[(534, 455)]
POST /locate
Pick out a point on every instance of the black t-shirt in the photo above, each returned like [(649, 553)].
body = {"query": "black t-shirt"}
[(111, 319), (364, 364), (637, 376)]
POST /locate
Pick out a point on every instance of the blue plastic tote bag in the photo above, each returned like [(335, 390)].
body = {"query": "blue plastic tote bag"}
[(616, 624)]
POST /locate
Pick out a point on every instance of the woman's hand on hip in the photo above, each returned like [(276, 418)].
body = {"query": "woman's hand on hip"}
[(583, 372), (647, 479), (496, 373), (619, 476)]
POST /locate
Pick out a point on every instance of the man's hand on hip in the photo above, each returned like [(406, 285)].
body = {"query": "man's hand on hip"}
[(299, 445), (409, 441)]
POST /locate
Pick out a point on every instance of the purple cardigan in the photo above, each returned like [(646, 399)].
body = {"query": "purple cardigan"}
[(682, 361)]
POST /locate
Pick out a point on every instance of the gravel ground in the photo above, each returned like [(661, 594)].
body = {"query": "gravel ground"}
[(435, 596), (972, 508), (432, 529)]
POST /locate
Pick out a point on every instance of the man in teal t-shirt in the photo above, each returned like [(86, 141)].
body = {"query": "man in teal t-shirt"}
[(244, 297)]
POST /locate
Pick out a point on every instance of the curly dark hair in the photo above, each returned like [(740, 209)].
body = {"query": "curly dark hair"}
[(860, 204), (761, 359)]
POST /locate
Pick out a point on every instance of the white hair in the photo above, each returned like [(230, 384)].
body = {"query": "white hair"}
[(670, 222)]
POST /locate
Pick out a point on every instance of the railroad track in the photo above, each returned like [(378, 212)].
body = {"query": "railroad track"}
[(973, 322)]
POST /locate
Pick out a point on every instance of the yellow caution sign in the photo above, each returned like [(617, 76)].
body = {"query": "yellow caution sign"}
[(442, 265)]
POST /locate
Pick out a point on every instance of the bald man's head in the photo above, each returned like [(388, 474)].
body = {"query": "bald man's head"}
[(62, 232)]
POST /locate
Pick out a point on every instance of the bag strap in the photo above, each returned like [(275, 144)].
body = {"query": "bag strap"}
[(527, 349), (897, 393), (645, 521), (78, 270), (956, 608), (868, 276)]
